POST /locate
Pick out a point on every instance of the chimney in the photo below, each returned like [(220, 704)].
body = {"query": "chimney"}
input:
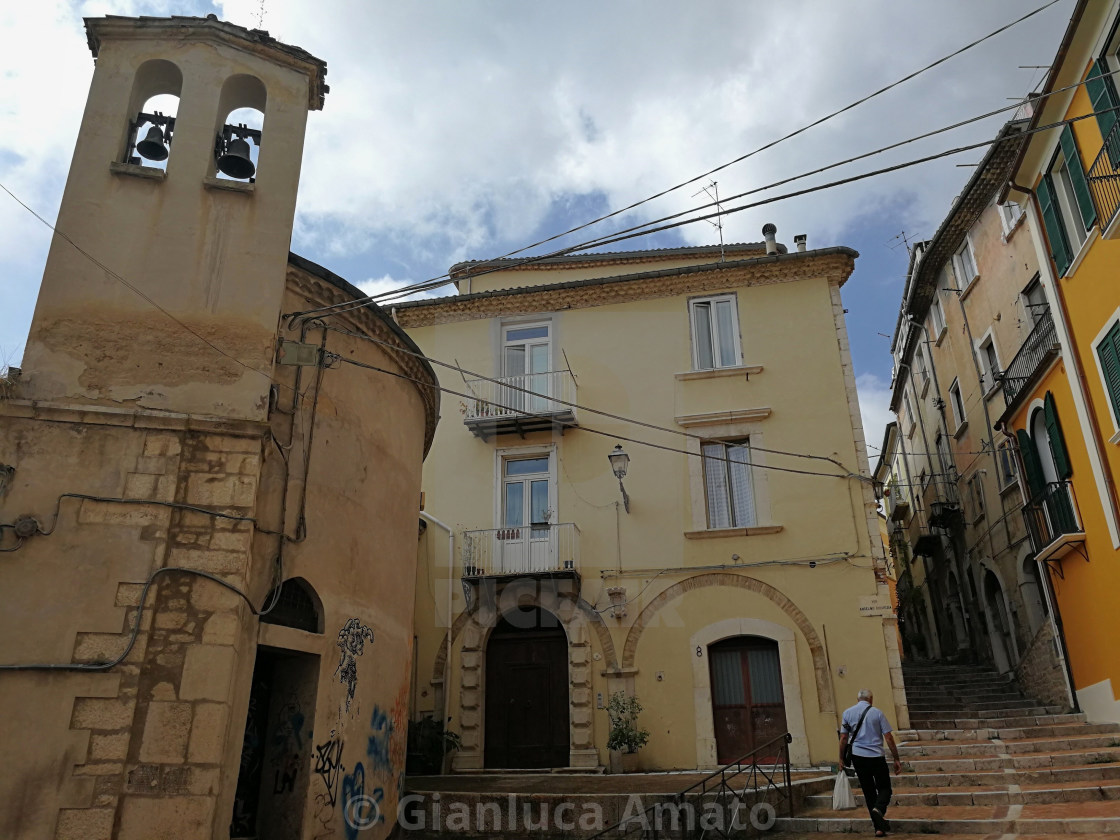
[(799, 241), (769, 232)]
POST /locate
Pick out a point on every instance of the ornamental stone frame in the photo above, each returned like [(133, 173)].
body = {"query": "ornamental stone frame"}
[(476, 630), (706, 756)]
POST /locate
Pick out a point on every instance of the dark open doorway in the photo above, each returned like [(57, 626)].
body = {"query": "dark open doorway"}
[(276, 752), (527, 692), (748, 706)]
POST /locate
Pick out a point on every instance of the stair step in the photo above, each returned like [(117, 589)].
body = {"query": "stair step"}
[(988, 796), (1101, 817), (1025, 761), (984, 714), (1047, 776), (973, 722), (1010, 733), (1010, 747)]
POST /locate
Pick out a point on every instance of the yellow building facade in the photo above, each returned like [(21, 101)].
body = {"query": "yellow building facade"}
[(734, 586), (1064, 416)]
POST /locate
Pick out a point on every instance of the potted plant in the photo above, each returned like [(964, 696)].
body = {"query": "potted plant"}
[(428, 743), (626, 737)]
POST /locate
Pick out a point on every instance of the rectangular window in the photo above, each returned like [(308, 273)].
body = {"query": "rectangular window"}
[(946, 458), (1006, 465), (1065, 204), (957, 403), (937, 316), (989, 364), (715, 332), (1009, 214), (909, 415), (525, 494), (526, 362), (1034, 302), (728, 484), (976, 496), (921, 369), (964, 265), (1108, 353)]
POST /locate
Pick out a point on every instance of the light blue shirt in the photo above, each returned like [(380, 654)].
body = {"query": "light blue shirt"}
[(868, 742)]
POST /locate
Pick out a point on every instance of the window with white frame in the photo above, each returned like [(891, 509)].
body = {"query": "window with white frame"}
[(1108, 358), (1007, 472), (1065, 203), (944, 456), (936, 316), (909, 409), (728, 484), (1034, 302), (989, 364), (715, 332), (921, 369), (1009, 215), (527, 493), (1072, 220), (957, 403), (964, 265)]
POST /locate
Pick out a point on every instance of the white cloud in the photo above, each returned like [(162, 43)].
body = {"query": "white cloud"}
[(875, 410), (454, 130)]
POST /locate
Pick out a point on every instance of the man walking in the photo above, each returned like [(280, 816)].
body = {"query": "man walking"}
[(866, 728)]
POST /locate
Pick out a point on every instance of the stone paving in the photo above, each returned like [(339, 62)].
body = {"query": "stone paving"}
[(983, 760)]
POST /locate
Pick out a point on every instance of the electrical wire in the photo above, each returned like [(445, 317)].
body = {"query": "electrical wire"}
[(588, 429), (135, 632), (556, 400), (771, 144)]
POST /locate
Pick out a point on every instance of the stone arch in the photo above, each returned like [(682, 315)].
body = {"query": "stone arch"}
[(826, 702), (1031, 591), (475, 627)]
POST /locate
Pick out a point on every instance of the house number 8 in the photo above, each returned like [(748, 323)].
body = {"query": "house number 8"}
[(699, 651)]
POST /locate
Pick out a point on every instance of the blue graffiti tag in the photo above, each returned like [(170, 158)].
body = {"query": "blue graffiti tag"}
[(380, 739)]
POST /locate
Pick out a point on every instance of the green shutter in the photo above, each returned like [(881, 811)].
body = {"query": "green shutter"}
[(1109, 353), (1102, 93), (1036, 485), (1077, 177), (1048, 209), (1057, 441)]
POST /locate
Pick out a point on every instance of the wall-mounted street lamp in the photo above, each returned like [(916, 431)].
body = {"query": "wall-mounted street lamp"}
[(619, 462)]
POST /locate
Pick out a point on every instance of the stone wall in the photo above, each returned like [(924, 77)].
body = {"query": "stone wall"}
[(1040, 673)]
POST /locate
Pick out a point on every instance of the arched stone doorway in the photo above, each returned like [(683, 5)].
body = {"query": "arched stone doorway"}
[(527, 724), (1003, 650)]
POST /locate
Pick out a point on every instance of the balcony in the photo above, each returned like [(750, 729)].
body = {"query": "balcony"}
[(1104, 180), (1052, 521), (1037, 351), (530, 402), (532, 551)]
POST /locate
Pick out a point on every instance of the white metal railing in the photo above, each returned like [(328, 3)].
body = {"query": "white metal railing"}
[(530, 394), (530, 549)]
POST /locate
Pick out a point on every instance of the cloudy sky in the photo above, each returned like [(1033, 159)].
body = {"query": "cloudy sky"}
[(460, 129)]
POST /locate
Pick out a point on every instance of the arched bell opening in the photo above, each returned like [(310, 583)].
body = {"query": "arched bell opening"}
[(240, 130), (153, 107)]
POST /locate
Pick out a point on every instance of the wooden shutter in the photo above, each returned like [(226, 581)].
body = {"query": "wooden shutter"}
[(1077, 177), (1109, 353), (1048, 209), (1102, 93), (1057, 441), (1036, 484)]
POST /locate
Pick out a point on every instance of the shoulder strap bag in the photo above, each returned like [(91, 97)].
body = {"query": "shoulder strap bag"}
[(851, 738)]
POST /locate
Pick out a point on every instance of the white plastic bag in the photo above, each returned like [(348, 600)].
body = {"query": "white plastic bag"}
[(842, 799)]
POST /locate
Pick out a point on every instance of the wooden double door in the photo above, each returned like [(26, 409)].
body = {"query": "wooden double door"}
[(527, 692), (748, 707)]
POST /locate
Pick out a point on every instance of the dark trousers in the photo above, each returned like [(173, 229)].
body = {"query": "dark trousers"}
[(875, 780)]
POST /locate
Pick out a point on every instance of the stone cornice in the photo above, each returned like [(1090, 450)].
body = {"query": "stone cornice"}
[(833, 264), (133, 418)]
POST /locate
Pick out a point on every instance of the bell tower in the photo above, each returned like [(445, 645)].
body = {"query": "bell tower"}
[(163, 285)]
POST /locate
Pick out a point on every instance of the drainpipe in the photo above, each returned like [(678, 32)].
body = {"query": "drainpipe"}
[(447, 658)]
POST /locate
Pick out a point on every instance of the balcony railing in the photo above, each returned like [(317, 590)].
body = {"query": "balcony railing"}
[(528, 550), (1050, 516), (1104, 180), (525, 403), (1036, 351)]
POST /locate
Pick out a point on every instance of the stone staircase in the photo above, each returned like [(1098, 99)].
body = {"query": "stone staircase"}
[(982, 759)]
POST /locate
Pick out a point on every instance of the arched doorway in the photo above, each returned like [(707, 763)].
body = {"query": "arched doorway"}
[(748, 707), (1002, 649), (527, 691), (956, 614)]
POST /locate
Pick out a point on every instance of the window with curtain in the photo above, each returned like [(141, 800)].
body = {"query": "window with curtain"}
[(715, 332), (728, 484)]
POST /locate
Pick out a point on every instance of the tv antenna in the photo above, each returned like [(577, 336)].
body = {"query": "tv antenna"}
[(712, 191), (899, 236), (260, 16)]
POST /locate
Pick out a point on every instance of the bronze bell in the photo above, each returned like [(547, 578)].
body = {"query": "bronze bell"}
[(236, 162), (153, 146)]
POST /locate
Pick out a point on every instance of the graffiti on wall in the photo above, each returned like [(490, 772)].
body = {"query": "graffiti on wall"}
[(378, 749), (351, 642), (364, 810), (328, 766), (287, 745)]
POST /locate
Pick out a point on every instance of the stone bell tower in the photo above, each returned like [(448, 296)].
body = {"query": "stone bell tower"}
[(152, 220)]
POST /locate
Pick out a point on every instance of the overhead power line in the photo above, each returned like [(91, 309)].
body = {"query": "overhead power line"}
[(771, 144)]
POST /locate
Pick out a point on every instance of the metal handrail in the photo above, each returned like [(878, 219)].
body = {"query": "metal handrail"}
[(724, 793), (1043, 340), (1104, 180)]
